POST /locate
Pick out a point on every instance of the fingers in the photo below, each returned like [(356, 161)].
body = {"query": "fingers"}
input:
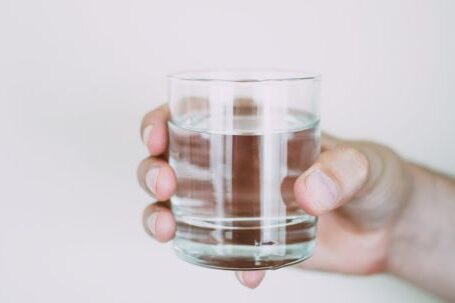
[(158, 221), (330, 182), (157, 178), (250, 279), (154, 130)]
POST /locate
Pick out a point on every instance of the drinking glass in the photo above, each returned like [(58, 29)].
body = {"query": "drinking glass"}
[(238, 142)]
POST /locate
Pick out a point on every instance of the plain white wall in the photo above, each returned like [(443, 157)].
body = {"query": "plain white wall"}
[(76, 77)]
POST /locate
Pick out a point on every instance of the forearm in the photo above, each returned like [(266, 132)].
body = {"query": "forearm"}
[(422, 243)]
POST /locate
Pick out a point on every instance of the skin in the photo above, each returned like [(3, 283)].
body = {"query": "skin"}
[(378, 204)]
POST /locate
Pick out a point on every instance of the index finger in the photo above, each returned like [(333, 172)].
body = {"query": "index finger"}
[(154, 130)]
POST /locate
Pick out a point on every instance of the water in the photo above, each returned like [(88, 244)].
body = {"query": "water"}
[(234, 203)]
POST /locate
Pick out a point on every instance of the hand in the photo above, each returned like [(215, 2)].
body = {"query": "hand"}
[(357, 188)]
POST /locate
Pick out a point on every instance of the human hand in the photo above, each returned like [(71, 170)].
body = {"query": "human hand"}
[(352, 237)]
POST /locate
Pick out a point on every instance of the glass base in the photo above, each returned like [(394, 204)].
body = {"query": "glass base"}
[(242, 257)]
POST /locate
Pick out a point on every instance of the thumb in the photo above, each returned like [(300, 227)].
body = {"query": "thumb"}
[(334, 179)]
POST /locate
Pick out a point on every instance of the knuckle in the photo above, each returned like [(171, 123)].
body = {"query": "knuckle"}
[(356, 158)]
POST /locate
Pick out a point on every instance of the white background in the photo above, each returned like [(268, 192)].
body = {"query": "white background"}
[(76, 77)]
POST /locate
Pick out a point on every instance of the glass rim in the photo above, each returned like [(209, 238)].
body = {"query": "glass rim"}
[(243, 75)]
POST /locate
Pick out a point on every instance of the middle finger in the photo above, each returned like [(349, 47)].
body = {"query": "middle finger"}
[(157, 178)]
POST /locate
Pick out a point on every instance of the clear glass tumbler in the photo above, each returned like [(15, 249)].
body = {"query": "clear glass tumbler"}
[(238, 141)]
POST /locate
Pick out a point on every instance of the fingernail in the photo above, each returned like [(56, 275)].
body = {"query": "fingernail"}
[(250, 279), (239, 276), (321, 189), (151, 222), (146, 134), (151, 178)]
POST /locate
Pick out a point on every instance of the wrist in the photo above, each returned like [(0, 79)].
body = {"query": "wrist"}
[(402, 229), (421, 242)]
